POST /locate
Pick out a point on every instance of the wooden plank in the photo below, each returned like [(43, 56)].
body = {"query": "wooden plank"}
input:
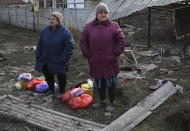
[(136, 122), (143, 109), (21, 116), (47, 124), (39, 117), (90, 123), (15, 98), (3, 97), (47, 115), (125, 67), (25, 115), (3, 112), (67, 122), (61, 114), (38, 113), (126, 51)]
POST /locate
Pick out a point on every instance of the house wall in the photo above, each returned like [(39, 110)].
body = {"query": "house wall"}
[(14, 5), (74, 19), (22, 17), (91, 3)]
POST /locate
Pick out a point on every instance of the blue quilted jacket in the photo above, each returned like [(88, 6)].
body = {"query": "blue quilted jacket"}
[(54, 48)]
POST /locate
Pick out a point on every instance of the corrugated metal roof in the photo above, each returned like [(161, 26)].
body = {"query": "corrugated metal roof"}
[(123, 8), (9, 2)]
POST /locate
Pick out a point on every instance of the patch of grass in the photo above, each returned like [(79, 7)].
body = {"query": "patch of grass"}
[(144, 128), (179, 117), (8, 29), (76, 35), (78, 69), (77, 58), (125, 92)]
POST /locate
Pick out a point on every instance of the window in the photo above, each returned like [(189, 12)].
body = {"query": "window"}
[(41, 4), (75, 3)]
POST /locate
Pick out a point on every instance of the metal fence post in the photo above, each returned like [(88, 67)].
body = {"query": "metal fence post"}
[(9, 16), (16, 17), (25, 19), (149, 25), (34, 25)]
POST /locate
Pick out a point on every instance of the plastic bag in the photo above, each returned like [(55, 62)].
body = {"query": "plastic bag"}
[(85, 86), (158, 85), (89, 92), (75, 102), (81, 101), (24, 84), (86, 100), (25, 77), (43, 87), (33, 82), (76, 92), (88, 88), (66, 96), (90, 83), (18, 86)]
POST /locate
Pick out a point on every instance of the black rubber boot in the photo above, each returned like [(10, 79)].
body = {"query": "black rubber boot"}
[(99, 105), (110, 107)]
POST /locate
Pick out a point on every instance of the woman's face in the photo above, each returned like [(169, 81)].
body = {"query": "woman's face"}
[(53, 22), (102, 16)]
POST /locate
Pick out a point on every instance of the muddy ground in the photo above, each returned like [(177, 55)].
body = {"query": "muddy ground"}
[(172, 115)]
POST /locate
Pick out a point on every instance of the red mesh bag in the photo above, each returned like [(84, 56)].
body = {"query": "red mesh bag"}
[(33, 82), (66, 96), (75, 102), (80, 101), (86, 100)]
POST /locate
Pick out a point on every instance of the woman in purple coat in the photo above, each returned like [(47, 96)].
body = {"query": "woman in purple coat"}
[(102, 41)]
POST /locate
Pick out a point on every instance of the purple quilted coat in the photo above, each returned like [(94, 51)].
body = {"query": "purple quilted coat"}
[(102, 44)]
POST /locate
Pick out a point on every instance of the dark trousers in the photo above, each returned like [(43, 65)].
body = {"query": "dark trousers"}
[(50, 79), (111, 91)]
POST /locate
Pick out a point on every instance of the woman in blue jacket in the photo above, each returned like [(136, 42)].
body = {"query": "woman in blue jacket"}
[(54, 49)]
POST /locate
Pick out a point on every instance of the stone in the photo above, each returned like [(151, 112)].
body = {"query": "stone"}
[(2, 74), (107, 114), (163, 70), (170, 72), (176, 59), (30, 47), (148, 67)]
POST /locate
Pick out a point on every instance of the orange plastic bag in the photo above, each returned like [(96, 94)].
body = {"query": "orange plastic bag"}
[(86, 100), (33, 82), (75, 102), (66, 96), (80, 101)]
